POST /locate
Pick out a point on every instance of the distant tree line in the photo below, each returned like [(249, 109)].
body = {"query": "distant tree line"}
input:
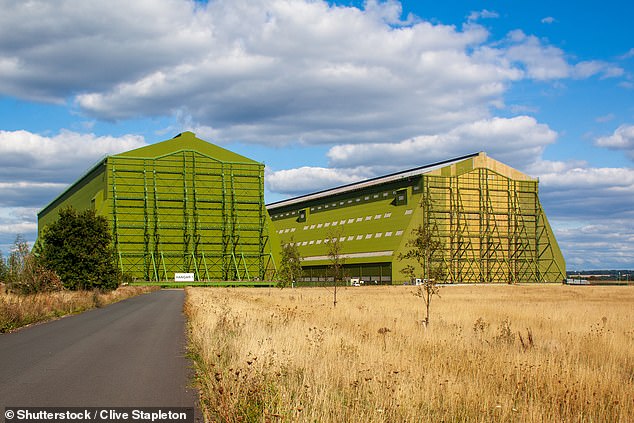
[(75, 252)]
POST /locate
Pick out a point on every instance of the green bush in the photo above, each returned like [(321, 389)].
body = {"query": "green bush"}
[(78, 248)]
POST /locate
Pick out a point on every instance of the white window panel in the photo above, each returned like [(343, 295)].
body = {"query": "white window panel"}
[(343, 222), (368, 218), (378, 216), (359, 219), (388, 233), (386, 215), (351, 220), (304, 243), (378, 235), (326, 224), (368, 236), (305, 227), (318, 242), (359, 237), (342, 239), (311, 242), (351, 237), (319, 225), (408, 211), (335, 223), (293, 229), (399, 233), (312, 226)]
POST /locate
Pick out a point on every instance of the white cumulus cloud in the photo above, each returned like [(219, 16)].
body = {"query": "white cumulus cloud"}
[(518, 141), (270, 71), (34, 169), (309, 179), (621, 139), (27, 156)]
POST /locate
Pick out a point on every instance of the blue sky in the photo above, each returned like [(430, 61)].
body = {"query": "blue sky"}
[(327, 93)]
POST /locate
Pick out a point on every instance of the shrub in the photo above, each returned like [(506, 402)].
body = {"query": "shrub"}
[(78, 247), (25, 274)]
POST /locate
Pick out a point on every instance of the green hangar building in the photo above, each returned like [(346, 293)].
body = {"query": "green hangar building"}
[(180, 206), (486, 215), (188, 207)]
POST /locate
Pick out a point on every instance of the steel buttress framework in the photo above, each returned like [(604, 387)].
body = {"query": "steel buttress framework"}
[(180, 206), (491, 228)]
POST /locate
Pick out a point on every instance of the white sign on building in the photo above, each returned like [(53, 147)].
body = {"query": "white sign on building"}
[(183, 277)]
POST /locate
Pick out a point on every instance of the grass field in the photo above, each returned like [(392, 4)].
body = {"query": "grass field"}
[(540, 353)]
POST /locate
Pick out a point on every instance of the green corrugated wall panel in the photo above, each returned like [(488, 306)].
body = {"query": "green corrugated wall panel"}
[(89, 192), (552, 265), (464, 166), (189, 213), (372, 225)]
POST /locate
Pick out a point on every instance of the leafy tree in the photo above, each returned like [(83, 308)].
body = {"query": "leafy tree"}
[(425, 249), (78, 247), (290, 265), (336, 260)]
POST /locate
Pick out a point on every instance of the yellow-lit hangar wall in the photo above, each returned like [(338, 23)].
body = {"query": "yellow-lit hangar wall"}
[(179, 206), (487, 216)]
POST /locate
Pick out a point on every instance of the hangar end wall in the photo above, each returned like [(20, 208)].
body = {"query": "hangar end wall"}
[(180, 206)]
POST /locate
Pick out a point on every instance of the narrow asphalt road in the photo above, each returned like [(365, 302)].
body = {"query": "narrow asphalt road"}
[(128, 354)]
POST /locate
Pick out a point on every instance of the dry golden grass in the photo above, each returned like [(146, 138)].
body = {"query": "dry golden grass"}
[(21, 310), (288, 355)]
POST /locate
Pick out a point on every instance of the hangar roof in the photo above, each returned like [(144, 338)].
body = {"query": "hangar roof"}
[(481, 160), (181, 142), (187, 141)]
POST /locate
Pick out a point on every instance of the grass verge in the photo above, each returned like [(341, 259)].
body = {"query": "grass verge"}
[(20, 310)]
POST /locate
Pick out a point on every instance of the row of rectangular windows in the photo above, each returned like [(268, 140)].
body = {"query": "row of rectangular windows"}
[(348, 238), (343, 222), (346, 202)]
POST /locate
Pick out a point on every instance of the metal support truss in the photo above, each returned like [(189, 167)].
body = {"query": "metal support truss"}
[(188, 212), (491, 227)]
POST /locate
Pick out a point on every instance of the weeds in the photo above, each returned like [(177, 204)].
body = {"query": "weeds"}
[(295, 358), (505, 334), (479, 327), (527, 344), (21, 310)]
